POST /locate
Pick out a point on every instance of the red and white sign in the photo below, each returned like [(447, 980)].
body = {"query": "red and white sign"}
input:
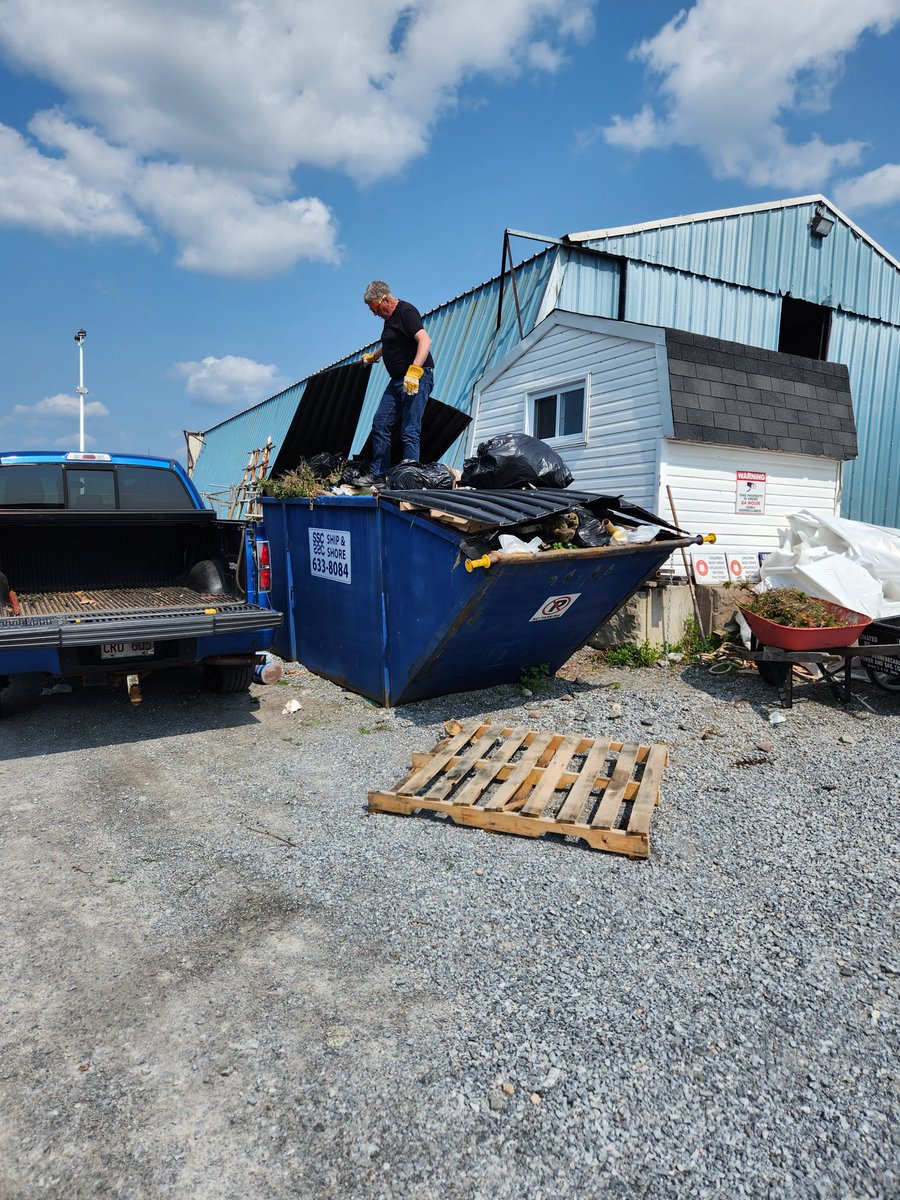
[(750, 495), (743, 566), (710, 566), (555, 606)]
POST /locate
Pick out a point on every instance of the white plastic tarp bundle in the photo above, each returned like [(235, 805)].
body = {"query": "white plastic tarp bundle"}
[(848, 562)]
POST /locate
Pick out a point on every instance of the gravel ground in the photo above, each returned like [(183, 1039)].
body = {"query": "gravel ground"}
[(222, 979)]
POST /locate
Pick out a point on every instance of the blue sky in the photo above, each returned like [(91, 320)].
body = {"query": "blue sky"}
[(207, 186)]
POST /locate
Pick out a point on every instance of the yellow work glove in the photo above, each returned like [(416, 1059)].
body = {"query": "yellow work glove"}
[(411, 379), (368, 359)]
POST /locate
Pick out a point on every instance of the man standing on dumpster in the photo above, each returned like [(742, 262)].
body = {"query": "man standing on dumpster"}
[(406, 352)]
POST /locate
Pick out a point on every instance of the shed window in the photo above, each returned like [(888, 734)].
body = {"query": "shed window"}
[(559, 414)]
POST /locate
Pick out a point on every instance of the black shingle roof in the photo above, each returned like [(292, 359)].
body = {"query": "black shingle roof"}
[(738, 395)]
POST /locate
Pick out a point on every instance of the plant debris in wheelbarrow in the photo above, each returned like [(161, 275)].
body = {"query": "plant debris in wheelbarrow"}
[(789, 619)]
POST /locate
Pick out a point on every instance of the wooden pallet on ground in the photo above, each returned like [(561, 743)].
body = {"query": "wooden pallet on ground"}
[(531, 782)]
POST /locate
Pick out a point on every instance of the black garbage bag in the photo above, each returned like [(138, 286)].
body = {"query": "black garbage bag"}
[(413, 476), (357, 472), (515, 460), (325, 465), (590, 531)]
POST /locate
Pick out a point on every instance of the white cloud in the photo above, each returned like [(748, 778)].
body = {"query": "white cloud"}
[(577, 21), (249, 238), (643, 131), (71, 441), (51, 408), (225, 102), (87, 155), (46, 194), (732, 73), (875, 189), (230, 380), (544, 57)]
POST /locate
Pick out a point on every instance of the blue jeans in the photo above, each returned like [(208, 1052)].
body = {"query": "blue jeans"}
[(398, 408)]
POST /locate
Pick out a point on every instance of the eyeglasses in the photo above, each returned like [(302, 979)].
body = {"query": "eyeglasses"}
[(373, 308)]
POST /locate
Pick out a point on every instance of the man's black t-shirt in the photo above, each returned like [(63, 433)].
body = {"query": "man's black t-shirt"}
[(398, 340)]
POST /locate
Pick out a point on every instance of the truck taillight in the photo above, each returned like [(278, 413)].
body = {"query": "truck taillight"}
[(263, 566)]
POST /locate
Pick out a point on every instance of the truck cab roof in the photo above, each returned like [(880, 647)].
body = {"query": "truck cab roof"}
[(95, 482)]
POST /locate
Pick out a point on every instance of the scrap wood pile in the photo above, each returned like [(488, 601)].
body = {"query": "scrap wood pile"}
[(488, 499), (554, 522), (517, 522), (530, 782), (512, 499)]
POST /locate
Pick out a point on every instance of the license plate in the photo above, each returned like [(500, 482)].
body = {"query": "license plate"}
[(126, 650)]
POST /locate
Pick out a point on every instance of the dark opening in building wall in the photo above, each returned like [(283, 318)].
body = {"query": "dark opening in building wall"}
[(804, 328)]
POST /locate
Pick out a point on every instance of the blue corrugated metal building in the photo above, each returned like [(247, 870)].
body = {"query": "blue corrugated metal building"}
[(793, 275)]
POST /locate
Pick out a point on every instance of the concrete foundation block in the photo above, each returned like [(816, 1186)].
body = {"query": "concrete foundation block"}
[(657, 613), (717, 606)]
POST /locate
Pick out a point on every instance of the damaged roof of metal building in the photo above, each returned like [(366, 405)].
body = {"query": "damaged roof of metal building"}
[(736, 274)]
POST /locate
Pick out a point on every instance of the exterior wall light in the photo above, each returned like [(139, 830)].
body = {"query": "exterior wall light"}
[(821, 224)]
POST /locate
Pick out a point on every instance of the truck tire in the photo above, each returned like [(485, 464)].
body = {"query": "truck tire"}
[(227, 680)]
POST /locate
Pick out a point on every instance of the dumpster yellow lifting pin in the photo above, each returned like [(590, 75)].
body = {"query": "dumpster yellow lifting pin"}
[(485, 561)]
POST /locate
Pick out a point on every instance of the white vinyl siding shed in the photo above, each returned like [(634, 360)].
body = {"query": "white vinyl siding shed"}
[(623, 369), (660, 412), (703, 482)]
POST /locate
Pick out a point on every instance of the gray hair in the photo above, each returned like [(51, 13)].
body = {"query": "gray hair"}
[(377, 290)]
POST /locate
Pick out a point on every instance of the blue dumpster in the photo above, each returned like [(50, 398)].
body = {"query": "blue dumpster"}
[(377, 596)]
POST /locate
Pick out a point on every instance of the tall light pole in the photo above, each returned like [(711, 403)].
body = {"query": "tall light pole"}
[(81, 389)]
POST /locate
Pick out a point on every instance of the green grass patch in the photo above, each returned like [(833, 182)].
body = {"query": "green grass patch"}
[(634, 655), (694, 642)]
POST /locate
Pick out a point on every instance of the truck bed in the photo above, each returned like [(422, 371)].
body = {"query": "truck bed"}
[(84, 618), (118, 601)]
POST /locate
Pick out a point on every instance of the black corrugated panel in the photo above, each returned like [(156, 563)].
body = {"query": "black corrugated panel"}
[(441, 426), (326, 417), (503, 508), (329, 411)]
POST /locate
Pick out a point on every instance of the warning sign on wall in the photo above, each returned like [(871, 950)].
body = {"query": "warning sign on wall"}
[(742, 566), (710, 566), (751, 492)]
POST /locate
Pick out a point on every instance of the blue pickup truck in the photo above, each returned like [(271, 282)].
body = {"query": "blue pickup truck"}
[(111, 565)]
